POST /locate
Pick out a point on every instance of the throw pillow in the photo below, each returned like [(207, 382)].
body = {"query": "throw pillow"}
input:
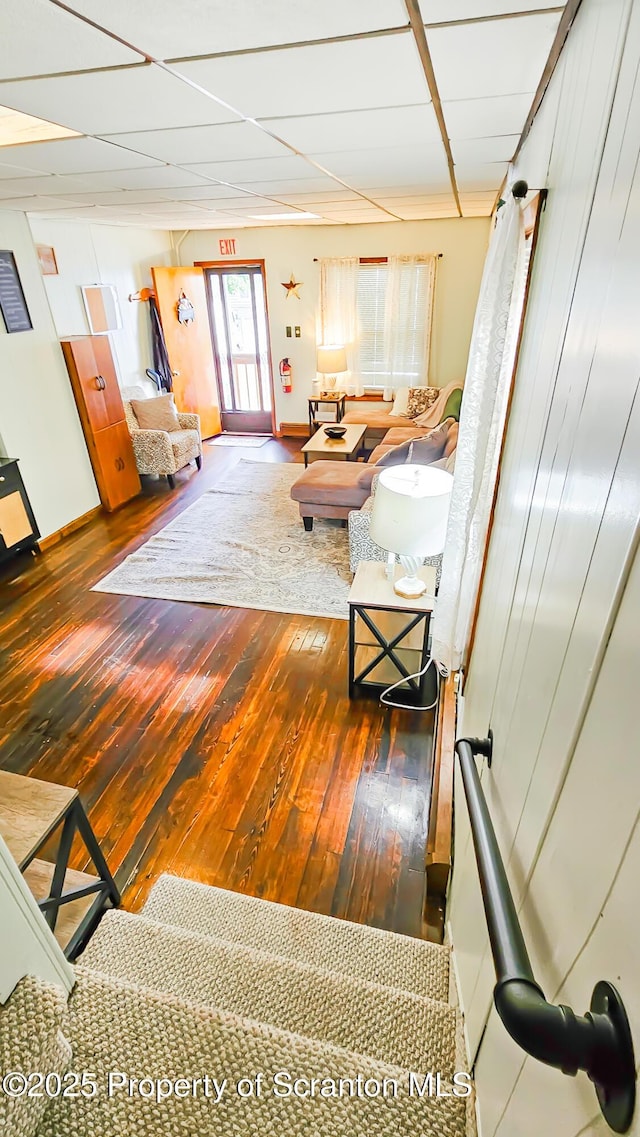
[(452, 439), (452, 405), (421, 450), (156, 414), (420, 399), (400, 402)]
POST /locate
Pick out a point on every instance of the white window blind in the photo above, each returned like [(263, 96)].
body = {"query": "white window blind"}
[(382, 312)]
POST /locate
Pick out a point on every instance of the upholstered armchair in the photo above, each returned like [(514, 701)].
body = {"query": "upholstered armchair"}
[(163, 452)]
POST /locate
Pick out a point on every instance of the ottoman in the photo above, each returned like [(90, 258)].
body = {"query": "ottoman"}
[(332, 489)]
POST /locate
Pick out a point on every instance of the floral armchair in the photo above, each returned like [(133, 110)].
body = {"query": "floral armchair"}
[(163, 452)]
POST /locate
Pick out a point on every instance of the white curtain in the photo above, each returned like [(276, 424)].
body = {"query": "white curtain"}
[(382, 314), (339, 312), (408, 317), (486, 392)]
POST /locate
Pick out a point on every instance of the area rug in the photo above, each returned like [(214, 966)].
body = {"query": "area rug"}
[(243, 544), (253, 440)]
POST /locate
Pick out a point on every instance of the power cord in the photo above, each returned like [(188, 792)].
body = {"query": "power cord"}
[(441, 672)]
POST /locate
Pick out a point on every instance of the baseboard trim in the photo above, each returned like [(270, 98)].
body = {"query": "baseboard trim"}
[(59, 535), (293, 430)]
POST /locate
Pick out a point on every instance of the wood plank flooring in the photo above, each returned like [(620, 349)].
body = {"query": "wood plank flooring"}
[(215, 743)]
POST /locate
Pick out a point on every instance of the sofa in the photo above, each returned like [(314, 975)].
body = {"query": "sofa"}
[(444, 402), (334, 489), (163, 452)]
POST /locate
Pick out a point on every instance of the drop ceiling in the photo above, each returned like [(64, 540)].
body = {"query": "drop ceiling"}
[(204, 114)]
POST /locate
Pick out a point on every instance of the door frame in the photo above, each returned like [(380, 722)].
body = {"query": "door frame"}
[(241, 262)]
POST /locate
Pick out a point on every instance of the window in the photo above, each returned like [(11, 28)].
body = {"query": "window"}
[(381, 310)]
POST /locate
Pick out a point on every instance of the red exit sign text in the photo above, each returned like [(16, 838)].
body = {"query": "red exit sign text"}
[(227, 246)]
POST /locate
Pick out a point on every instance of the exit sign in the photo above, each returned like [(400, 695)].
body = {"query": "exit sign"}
[(227, 246)]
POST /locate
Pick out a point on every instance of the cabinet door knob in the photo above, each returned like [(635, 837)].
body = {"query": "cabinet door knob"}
[(2, 478)]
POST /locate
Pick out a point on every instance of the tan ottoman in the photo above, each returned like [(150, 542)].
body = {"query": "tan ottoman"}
[(332, 489)]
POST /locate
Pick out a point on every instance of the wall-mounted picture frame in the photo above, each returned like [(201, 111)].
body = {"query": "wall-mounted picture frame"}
[(102, 308), (47, 259), (12, 300)]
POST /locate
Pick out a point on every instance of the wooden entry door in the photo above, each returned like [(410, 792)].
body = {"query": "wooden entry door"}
[(189, 345)]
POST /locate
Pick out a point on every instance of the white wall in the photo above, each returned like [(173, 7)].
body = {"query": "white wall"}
[(39, 422), (289, 249), (105, 254), (557, 645)]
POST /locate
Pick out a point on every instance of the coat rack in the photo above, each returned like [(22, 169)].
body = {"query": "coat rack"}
[(142, 294)]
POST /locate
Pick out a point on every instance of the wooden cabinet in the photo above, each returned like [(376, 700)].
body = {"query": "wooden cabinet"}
[(97, 394)]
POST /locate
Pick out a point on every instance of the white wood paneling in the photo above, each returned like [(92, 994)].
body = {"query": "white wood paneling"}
[(165, 30), (556, 649)]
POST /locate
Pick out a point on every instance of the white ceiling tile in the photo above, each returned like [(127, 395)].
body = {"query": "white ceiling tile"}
[(386, 126), (39, 38), (43, 184), (164, 29), (9, 171), (317, 198), (480, 177), (249, 170), (37, 203), (502, 57), (479, 118), (123, 199), (160, 177), (109, 102), (406, 164), (472, 151), (198, 144), (77, 156), (271, 187), (439, 11), (315, 79)]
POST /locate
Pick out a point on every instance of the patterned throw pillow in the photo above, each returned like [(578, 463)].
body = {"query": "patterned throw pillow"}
[(156, 414), (421, 451), (420, 399)]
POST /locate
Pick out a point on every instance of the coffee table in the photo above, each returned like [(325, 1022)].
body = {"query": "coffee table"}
[(336, 449)]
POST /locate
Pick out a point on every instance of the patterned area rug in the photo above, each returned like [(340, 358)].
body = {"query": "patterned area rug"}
[(243, 544)]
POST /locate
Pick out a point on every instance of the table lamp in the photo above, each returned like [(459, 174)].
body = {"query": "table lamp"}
[(332, 359), (409, 517)]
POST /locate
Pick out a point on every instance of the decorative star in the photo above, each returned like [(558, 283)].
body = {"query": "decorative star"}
[(291, 286)]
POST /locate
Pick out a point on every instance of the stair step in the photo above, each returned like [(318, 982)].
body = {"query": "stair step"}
[(385, 1023), (308, 937), (33, 1037), (116, 1026)]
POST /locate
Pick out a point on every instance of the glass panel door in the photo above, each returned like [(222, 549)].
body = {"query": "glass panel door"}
[(241, 345)]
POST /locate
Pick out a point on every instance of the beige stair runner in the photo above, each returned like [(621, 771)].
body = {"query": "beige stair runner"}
[(214, 1014)]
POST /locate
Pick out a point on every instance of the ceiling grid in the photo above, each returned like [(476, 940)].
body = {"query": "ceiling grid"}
[(196, 115)]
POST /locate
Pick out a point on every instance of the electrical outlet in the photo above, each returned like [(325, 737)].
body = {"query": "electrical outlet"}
[(289, 331), (297, 331)]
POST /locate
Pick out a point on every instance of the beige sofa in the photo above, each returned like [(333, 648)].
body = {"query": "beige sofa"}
[(334, 489)]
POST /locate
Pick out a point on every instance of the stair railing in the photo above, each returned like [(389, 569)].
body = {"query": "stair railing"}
[(598, 1042)]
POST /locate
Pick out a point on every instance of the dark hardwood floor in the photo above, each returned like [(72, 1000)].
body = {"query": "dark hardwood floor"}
[(214, 743)]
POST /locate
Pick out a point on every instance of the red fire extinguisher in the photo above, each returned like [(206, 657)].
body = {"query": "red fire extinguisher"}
[(286, 375)]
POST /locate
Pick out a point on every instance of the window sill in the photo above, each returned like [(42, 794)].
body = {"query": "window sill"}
[(374, 397)]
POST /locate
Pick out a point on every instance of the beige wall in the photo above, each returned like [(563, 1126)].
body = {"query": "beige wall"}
[(104, 254), (289, 249), (39, 422), (556, 657)]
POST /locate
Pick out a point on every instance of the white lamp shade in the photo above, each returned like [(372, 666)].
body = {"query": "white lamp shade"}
[(410, 510), (332, 358)]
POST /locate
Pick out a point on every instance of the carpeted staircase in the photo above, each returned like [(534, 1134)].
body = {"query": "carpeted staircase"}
[(215, 983)]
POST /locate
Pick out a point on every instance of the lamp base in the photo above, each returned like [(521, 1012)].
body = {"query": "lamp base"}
[(410, 587)]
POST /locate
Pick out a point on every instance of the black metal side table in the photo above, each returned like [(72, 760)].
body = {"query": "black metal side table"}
[(388, 636), (72, 902), (332, 398)]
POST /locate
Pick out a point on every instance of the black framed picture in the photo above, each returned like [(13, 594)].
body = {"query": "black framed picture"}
[(12, 302)]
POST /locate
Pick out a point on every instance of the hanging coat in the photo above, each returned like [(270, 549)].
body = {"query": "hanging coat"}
[(159, 348)]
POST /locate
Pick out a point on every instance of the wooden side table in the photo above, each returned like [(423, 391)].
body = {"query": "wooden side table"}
[(388, 635), (30, 812), (331, 398)]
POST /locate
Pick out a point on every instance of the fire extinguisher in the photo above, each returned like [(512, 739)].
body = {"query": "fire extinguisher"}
[(286, 375)]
